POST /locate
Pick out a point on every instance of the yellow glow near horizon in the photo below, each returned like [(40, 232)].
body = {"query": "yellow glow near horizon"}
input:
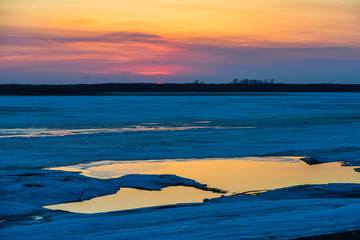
[(179, 39), (261, 20)]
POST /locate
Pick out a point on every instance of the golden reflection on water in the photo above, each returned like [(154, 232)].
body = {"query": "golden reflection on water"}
[(240, 176), (129, 198), (234, 175)]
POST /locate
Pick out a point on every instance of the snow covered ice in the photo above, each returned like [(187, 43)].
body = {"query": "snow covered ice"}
[(37, 133)]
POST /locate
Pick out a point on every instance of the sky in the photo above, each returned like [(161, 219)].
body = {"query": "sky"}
[(94, 41)]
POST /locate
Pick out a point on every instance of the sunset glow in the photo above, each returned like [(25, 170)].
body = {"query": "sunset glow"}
[(99, 41)]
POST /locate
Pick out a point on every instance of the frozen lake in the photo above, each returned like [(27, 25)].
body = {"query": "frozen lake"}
[(172, 145), (50, 131)]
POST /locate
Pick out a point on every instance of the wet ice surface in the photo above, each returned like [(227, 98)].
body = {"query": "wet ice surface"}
[(45, 132), (233, 176), (254, 217), (26, 191), (38, 132), (283, 213), (48, 131)]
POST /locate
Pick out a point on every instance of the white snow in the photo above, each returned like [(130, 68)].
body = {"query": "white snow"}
[(77, 130), (24, 191), (241, 218), (285, 213)]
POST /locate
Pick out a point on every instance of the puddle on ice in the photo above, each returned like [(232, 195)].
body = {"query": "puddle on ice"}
[(235, 175), (130, 198)]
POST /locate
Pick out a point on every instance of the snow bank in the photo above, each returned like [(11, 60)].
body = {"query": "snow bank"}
[(240, 219), (31, 189)]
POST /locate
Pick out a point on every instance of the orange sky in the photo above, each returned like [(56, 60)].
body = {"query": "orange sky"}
[(183, 39)]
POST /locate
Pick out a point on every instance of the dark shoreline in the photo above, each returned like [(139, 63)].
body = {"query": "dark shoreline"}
[(351, 235), (113, 88)]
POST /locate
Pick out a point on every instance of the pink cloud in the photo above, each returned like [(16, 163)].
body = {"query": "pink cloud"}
[(44, 51)]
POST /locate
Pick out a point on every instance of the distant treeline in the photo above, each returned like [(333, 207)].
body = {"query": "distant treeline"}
[(252, 81), (108, 88)]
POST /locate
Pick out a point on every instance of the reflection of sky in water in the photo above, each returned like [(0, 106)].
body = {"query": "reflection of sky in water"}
[(235, 175), (44, 132), (128, 198), (232, 174)]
